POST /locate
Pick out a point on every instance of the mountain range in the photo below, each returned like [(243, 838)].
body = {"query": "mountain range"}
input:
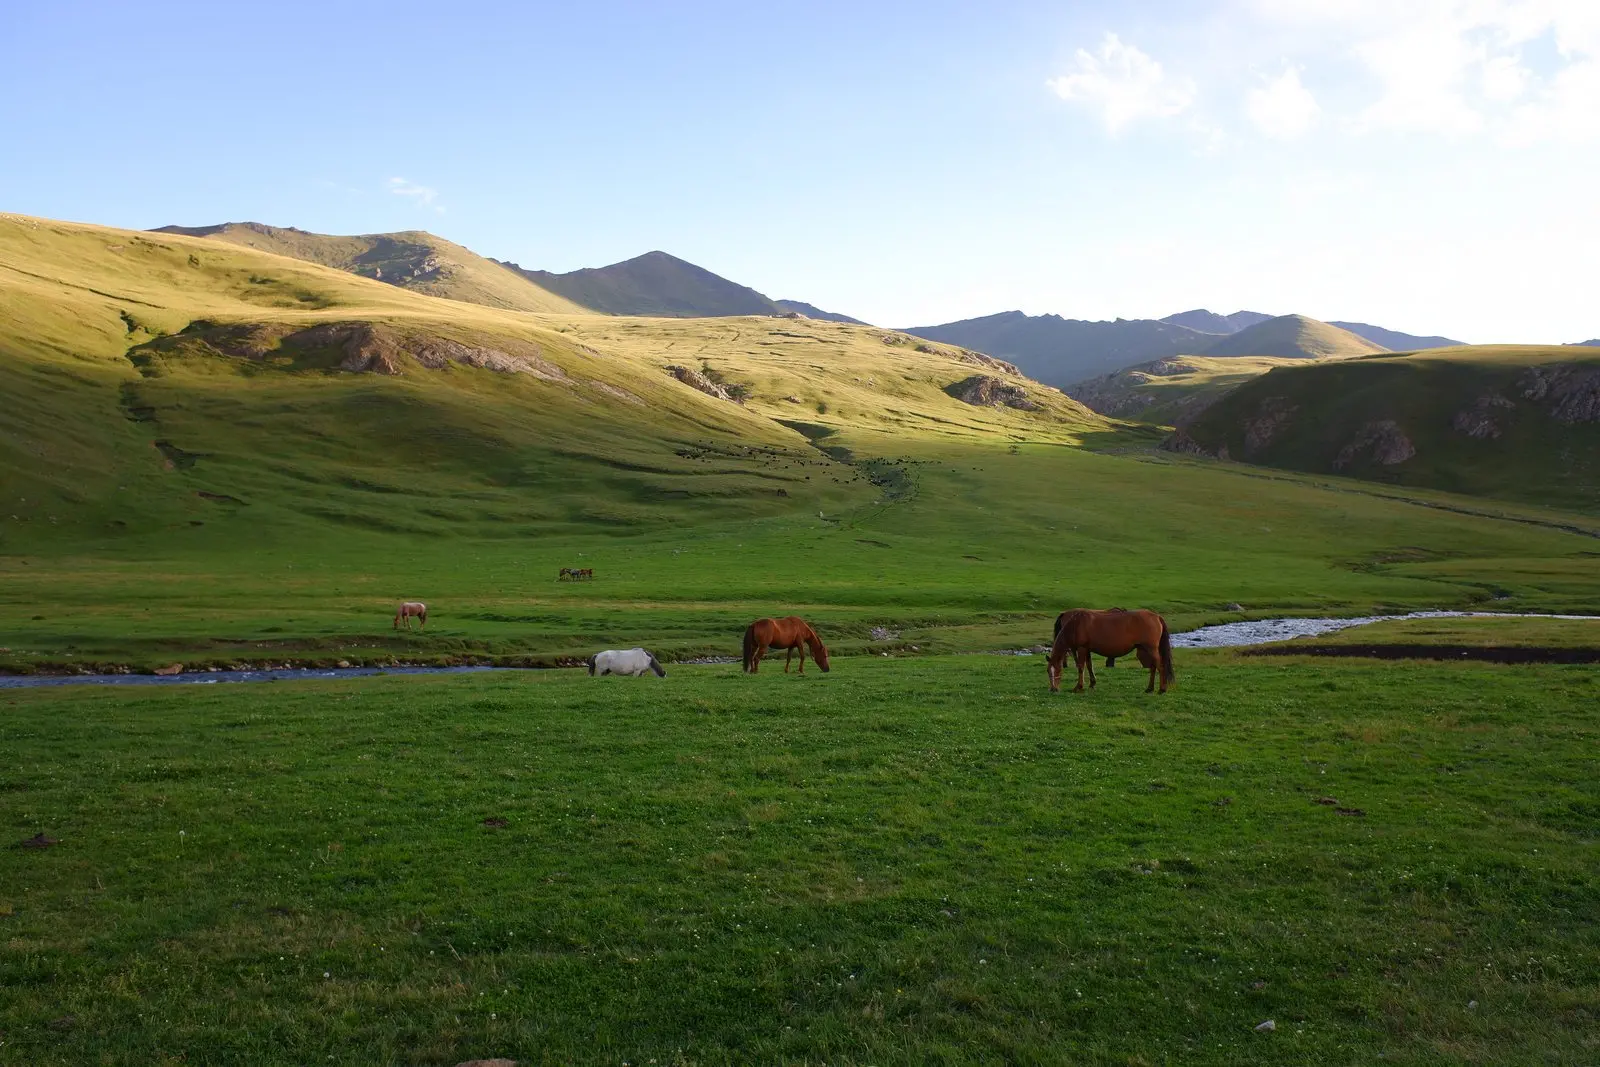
[(1063, 352), (1049, 348)]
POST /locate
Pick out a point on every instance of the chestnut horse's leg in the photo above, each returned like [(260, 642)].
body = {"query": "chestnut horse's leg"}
[(801, 648), (787, 657), (755, 658), (1150, 660), (1080, 657)]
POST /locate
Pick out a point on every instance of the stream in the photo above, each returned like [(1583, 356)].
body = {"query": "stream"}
[(1222, 635)]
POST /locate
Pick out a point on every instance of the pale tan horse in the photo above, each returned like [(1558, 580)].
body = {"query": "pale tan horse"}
[(409, 609)]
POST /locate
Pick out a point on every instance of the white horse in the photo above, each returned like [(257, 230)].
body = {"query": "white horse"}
[(632, 661), (412, 609)]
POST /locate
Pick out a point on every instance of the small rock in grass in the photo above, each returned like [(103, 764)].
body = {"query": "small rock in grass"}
[(1472, 1005), (1357, 812), (175, 668), (344, 664), (1267, 1027), (1234, 607), (1331, 802)]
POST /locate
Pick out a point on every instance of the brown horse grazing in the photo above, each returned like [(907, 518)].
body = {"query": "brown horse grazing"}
[(1086, 633), (412, 608), (1111, 661), (790, 632)]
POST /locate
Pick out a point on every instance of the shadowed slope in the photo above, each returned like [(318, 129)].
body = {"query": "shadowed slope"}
[(1518, 422), (1394, 340), (655, 284)]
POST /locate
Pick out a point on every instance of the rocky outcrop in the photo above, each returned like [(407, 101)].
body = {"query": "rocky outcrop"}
[(981, 390), (376, 349), (367, 347), (1483, 419), (1271, 417), (1570, 392), (1180, 441), (695, 380), (1381, 442)]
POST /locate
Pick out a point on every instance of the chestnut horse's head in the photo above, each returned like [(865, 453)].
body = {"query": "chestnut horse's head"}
[(819, 651)]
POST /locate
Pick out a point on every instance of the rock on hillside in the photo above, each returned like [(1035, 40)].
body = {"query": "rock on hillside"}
[(1295, 337), (981, 390), (811, 311), (357, 347)]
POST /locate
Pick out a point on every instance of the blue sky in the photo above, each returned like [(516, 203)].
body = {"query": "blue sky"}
[(1426, 165)]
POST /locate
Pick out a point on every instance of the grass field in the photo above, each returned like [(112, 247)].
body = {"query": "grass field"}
[(904, 861)]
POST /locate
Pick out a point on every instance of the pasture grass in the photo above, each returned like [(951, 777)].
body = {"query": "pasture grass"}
[(903, 861)]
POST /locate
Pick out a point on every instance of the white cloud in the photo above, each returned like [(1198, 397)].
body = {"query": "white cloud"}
[(1283, 107), (1460, 67), (420, 195), (1123, 84)]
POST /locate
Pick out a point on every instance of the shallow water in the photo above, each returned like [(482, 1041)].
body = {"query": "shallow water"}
[(33, 681), (1263, 631), (1223, 635)]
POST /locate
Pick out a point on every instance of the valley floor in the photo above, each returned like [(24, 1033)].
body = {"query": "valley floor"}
[(903, 861)]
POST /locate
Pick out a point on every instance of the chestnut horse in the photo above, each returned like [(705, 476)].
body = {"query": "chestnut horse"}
[(409, 609), (1085, 633), (790, 632)]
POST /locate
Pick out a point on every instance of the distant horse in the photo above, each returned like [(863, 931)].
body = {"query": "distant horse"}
[(575, 574), (790, 632), (411, 608), (1111, 661), (1086, 633), (631, 661)]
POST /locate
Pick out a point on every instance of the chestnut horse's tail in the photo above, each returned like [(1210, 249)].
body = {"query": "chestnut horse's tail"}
[(1165, 650), (749, 646)]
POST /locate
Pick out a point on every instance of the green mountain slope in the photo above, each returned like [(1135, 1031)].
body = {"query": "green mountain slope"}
[(413, 259), (156, 381), (1520, 423), (1295, 337)]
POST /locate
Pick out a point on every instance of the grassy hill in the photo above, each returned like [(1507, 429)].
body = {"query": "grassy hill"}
[(1171, 392), (160, 377), (413, 260), (1294, 337), (1520, 423)]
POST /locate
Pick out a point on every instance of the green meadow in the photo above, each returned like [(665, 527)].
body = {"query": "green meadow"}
[(903, 861), (920, 857)]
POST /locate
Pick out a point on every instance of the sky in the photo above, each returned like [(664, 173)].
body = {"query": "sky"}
[(1425, 165)]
